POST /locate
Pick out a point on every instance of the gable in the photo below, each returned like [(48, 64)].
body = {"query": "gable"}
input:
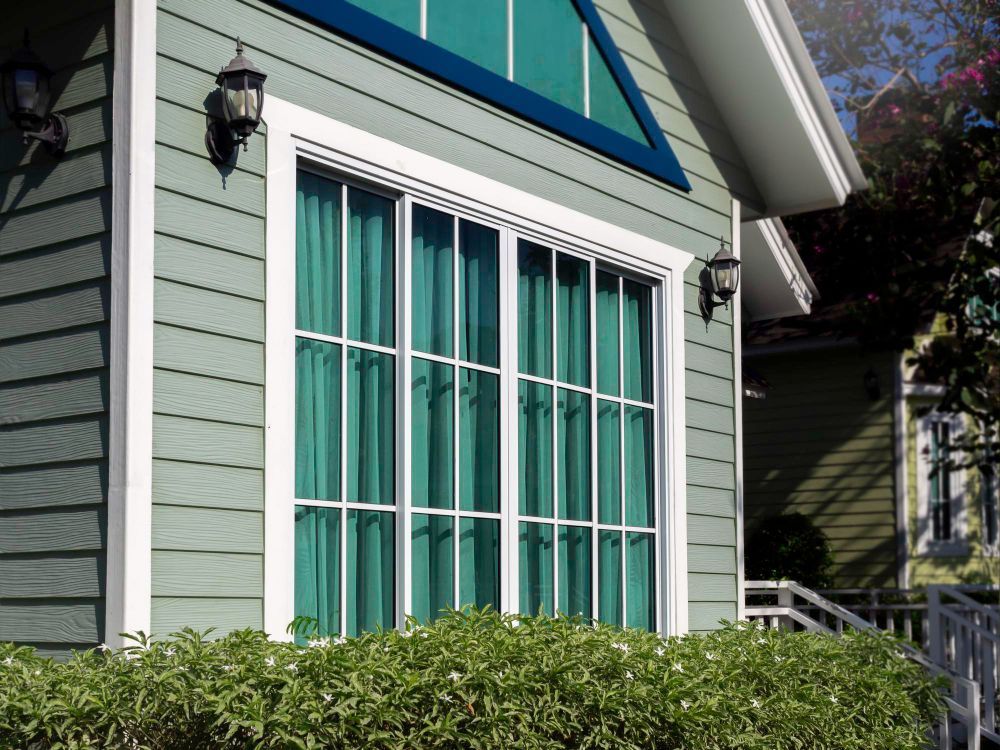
[(549, 61)]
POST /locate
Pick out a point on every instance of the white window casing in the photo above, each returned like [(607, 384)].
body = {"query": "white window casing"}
[(297, 136), (957, 544)]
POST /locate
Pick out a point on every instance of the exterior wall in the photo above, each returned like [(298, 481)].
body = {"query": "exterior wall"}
[(55, 244), (209, 266), (819, 446)]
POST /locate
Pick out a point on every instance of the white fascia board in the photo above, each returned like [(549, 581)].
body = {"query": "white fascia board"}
[(760, 76), (775, 282)]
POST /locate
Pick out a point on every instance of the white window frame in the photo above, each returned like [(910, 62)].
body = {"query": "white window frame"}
[(926, 545), (296, 135)]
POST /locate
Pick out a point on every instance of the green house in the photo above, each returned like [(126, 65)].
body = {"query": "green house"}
[(430, 337)]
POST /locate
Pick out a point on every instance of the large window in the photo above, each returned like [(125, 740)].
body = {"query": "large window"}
[(475, 418), (940, 485)]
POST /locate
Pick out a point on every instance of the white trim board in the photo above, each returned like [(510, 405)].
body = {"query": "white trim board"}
[(295, 132), (130, 451), (738, 414)]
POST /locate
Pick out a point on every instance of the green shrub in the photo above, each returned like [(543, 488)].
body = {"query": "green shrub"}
[(474, 680), (789, 547)]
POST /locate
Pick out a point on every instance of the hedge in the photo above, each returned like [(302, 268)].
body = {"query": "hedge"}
[(474, 680)]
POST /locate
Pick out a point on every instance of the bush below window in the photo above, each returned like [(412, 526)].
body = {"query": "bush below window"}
[(475, 680)]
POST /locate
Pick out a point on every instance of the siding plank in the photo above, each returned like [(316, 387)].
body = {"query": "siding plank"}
[(74, 173), (52, 530), (207, 354), (209, 268), (55, 576), (49, 399), (207, 529), (705, 558), (208, 311), (193, 220), (78, 622), (53, 442), (196, 177), (47, 486), (182, 395), (52, 267), (177, 483), (58, 221), (709, 615), (711, 587), (53, 355), (711, 530), (172, 614), (182, 439), (213, 574), (52, 311)]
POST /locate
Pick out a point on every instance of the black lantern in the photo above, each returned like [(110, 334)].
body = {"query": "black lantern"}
[(721, 278), (26, 93), (242, 88)]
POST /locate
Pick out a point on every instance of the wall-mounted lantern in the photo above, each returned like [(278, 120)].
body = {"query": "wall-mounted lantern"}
[(872, 385), (26, 93), (720, 279), (242, 88)]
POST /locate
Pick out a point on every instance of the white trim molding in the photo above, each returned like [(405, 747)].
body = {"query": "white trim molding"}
[(738, 403), (129, 555), (775, 281), (297, 134), (902, 480)]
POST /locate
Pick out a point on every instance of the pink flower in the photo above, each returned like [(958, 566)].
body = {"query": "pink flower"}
[(872, 297), (894, 110), (819, 249), (975, 74)]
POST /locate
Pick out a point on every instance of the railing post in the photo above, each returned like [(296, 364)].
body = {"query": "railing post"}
[(787, 600), (935, 633)]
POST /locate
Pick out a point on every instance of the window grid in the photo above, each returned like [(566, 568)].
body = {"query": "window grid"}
[(343, 505), (595, 396)]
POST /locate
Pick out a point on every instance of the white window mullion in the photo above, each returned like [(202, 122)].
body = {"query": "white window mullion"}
[(343, 408), (456, 419), (622, 535), (659, 513), (585, 55), (594, 541), (508, 388), (554, 389), (404, 364)]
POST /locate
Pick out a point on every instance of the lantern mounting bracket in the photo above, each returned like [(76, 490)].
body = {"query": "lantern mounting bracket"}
[(220, 142), (54, 134)]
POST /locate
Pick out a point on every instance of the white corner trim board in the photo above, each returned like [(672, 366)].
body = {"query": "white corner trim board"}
[(295, 133), (130, 450), (738, 414)]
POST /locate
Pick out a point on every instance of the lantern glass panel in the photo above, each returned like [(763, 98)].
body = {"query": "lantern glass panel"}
[(26, 88), (723, 277)]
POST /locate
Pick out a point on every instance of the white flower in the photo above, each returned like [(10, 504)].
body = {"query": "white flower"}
[(228, 667), (501, 674), (293, 667), (170, 652), (446, 698), (779, 659), (629, 676), (319, 643), (8, 661), (660, 651), (678, 667), (623, 647), (454, 677), (424, 635), (269, 661), (339, 640), (833, 699), (406, 633), (685, 705), (710, 656), (37, 672), (985, 238), (327, 698), (131, 655), (104, 647)]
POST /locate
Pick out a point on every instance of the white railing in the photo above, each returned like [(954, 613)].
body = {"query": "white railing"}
[(791, 608)]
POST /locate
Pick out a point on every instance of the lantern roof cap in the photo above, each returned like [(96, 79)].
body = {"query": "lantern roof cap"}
[(24, 57), (724, 254), (239, 64)]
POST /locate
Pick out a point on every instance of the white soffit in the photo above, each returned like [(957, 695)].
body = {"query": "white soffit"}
[(761, 78), (773, 280)]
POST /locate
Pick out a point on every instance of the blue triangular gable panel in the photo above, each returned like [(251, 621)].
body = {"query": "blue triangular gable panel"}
[(655, 157)]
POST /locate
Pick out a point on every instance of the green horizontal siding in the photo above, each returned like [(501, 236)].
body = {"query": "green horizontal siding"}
[(55, 265), (819, 446)]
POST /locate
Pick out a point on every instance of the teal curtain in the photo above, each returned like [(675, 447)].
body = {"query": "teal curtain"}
[(607, 333), (479, 291), (317, 254), (534, 313), (432, 439), (370, 427), (432, 559), (573, 320), (574, 455), (479, 443), (370, 272), (609, 577), (371, 544), (534, 439), (575, 576), (433, 264), (637, 346), (641, 576), (479, 562), (638, 466), (609, 462), (317, 420), (535, 563), (317, 566)]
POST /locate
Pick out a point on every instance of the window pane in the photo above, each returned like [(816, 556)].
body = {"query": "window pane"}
[(575, 577), (317, 420), (638, 466), (433, 307), (637, 350), (641, 576), (370, 296), (609, 462), (317, 566), (608, 104), (609, 577), (479, 444), (548, 50), (317, 254), (476, 31), (404, 13), (534, 300), (607, 333), (478, 280), (432, 435), (574, 455), (433, 566), (573, 318), (371, 544), (534, 439), (479, 562), (535, 561), (370, 427)]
